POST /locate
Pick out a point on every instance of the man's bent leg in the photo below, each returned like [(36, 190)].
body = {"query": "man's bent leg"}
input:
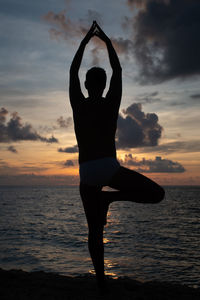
[(133, 186)]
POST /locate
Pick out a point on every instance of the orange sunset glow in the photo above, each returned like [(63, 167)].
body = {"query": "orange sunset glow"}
[(161, 94)]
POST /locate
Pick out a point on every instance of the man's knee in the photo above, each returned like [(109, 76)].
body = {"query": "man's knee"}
[(88, 190), (95, 235)]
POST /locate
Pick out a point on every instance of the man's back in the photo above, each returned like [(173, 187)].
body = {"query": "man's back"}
[(95, 128)]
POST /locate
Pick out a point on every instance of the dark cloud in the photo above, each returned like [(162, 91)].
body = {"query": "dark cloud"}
[(73, 149), (157, 165), (167, 39), (143, 3), (69, 163), (15, 130), (60, 123), (64, 123), (3, 114), (126, 23), (12, 149), (123, 46), (137, 129), (195, 96), (174, 147), (49, 140)]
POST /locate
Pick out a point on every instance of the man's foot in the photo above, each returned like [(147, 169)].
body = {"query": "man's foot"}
[(103, 288)]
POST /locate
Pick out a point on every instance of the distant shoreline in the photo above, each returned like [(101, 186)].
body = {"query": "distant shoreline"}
[(71, 180), (18, 284)]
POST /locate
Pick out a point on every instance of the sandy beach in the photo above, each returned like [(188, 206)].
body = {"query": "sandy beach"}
[(20, 285)]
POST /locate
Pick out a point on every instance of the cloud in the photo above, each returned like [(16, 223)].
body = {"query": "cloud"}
[(3, 114), (158, 165), (49, 140), (195, 96), (122, 46), (64, 123), (166, 39), (178, 147), (7, 168), (137, 129), (73, 149), (143, 3), (12, 149), (15, 130), (69, 163), (136, 3), (148, 98), (60, 123), (66, 29)]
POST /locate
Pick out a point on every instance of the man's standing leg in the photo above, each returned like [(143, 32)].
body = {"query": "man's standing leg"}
[(91, 198)]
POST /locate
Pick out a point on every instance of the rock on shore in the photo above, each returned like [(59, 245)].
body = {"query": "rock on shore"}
[(20, 285)]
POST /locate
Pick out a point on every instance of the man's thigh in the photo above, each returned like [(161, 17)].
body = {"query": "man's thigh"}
[(128, 180), (91, 198)]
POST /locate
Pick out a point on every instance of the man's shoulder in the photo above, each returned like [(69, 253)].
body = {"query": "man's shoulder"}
[(76, 101)]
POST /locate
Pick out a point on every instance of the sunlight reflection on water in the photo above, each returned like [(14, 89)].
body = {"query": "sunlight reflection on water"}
[(44, 228)]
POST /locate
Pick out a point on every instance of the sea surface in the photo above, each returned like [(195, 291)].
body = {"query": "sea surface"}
[(44, 228)]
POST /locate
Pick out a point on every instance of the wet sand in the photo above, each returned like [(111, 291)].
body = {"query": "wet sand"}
[(20, 285)]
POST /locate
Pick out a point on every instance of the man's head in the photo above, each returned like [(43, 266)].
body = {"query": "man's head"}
[(95, 81)]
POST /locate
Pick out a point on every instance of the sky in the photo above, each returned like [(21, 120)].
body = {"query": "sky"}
[(158, 44)]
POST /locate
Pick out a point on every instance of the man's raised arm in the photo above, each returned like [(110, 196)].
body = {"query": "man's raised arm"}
[(74, 82), (115, 89)]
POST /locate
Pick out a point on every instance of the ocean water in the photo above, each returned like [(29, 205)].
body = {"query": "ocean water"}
[(44, 228)]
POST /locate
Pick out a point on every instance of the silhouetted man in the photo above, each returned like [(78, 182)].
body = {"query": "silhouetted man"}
[(95, 120)]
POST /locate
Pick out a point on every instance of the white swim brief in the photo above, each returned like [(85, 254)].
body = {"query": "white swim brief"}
[(99, 171)]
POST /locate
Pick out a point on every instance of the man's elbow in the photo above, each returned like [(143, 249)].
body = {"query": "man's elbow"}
[(71, 71), (118, 69)]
